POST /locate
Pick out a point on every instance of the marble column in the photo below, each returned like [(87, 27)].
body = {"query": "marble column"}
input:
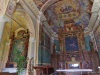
[(30, 56)]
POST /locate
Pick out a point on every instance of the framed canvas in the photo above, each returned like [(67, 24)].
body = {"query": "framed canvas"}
[(71, 43)]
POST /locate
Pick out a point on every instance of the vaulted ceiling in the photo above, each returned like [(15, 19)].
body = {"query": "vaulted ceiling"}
[(18, 21), (76, 11)]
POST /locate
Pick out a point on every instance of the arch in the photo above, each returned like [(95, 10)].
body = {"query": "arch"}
[(16, 32), (30, 24)]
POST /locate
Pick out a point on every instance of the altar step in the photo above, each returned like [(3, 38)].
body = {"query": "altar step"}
[(11, 71)]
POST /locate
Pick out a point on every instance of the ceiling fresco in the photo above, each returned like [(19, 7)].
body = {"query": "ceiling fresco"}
[(40, 3), (77, 10)]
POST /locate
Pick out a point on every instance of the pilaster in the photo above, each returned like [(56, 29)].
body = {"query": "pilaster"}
[(2, 24), (30, 56)]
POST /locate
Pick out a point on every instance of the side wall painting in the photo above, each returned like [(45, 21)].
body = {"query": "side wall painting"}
[(97, 38), (87, 42), (20, 44)]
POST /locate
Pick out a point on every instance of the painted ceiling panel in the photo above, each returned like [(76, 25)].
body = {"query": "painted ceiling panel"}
[(77, 10), (17, 21)]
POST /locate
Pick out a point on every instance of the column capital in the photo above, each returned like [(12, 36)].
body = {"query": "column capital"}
[(32, 40), (7, 19), (2, 19), (7, 43)]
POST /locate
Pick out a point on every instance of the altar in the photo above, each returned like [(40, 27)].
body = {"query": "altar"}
[(73, 53), (74, 71)]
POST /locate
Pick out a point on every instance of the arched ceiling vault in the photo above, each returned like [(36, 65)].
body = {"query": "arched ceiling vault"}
[(59, 11), (18, 21), (89, 22)]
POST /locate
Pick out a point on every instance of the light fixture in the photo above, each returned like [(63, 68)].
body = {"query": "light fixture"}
[(99, 67), (74, 70)]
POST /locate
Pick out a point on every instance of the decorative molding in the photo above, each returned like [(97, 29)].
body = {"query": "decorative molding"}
[(47, 4), (28, 10), (97, 23), (93, 20), (96, 5), (95, 12), (2, 19), (10, 8), (7, 18)]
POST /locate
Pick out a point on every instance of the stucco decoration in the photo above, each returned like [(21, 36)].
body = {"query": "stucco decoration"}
[(10, 9), (3, 6)]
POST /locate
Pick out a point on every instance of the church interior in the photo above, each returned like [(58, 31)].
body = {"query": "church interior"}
[(49, 37)]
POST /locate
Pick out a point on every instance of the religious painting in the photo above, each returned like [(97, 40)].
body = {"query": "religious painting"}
[(20, 45), (71, 43), (67, 9)]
